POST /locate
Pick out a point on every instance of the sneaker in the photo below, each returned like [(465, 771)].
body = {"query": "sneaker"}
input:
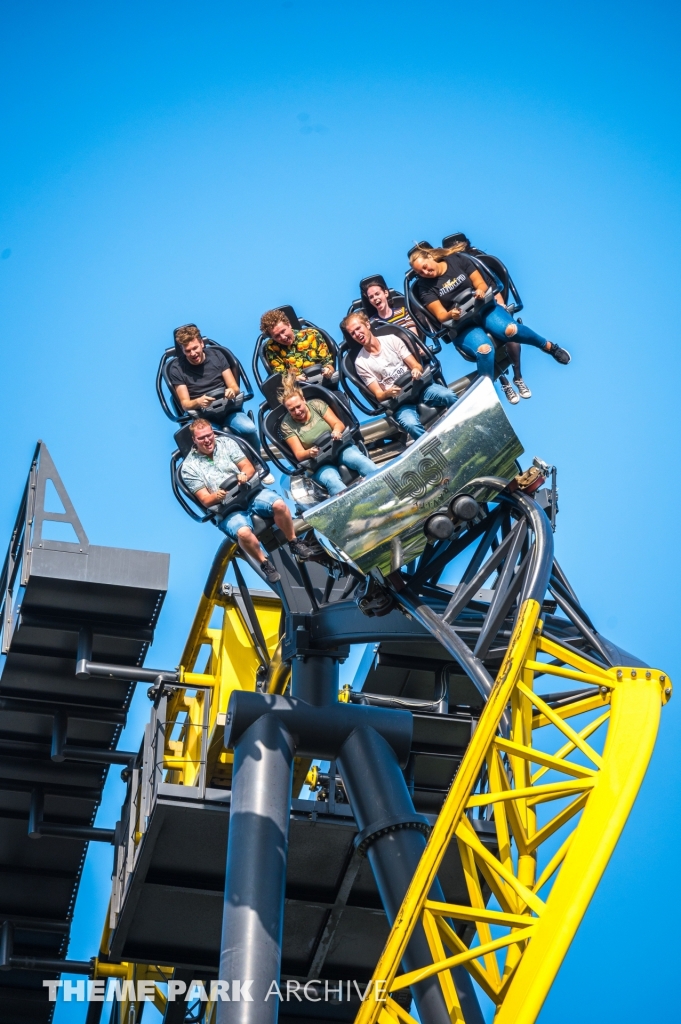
[(302, 550), (509, 391), (522, 387), (268, 569), (269, 479), (561, 355)]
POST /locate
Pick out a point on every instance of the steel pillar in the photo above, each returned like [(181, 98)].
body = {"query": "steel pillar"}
[(256, 871), (314, 678), (389, 830)]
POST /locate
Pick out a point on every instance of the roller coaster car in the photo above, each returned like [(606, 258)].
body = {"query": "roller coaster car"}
[(305, 491), (497, 277), (271, 382), (220, 408), (352, 383), (237, 497)]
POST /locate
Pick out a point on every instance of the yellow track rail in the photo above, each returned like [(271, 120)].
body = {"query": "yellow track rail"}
[(558, 804)]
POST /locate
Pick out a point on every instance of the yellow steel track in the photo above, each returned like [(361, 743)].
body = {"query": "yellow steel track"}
[(559, 804)]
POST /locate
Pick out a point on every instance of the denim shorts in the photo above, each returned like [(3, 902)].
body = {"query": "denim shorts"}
[(261, 505)]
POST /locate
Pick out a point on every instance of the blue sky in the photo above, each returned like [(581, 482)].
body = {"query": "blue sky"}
[(166, 162)]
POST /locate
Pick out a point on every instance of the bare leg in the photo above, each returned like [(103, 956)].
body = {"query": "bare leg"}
[(249, 543), (282, 518)]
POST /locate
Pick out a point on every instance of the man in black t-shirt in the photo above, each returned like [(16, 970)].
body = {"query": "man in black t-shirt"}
[(201, 374)]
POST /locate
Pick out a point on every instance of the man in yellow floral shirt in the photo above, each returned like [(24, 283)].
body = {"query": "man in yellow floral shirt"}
[(289, 351)]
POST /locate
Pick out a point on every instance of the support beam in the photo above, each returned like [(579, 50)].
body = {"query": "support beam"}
[(255, 878)]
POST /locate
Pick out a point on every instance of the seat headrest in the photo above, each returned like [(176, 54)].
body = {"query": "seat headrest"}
[(419, 245), (290, 312), (183, 440), (271, 388), (451, 240), (366, 282)]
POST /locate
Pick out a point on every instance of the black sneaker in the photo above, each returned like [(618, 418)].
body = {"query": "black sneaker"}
[(269, 571), (522, 387), (561, 355), (302, 550)]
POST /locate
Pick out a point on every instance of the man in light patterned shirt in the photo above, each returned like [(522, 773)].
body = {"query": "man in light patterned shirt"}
[(205, 468)]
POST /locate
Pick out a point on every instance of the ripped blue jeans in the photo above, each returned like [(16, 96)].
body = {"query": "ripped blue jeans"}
[(496, 322)]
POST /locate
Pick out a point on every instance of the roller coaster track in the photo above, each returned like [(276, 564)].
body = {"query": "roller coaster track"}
[(523, 792), (514, 948)]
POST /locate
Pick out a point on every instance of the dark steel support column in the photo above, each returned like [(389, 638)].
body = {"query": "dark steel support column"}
[(256, 870), (314, 678), (378, 795)]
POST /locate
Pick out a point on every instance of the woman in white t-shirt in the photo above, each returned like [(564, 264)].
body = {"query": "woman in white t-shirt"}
[(383, 361)]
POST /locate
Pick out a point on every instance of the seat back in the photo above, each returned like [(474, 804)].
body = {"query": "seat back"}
[(270, 420)]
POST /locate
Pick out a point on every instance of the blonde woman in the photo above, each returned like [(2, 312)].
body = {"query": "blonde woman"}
[(445, 274), (305, 423)]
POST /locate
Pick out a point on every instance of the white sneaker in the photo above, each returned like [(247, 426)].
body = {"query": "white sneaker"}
[(522, 387), (509, 391), (269, 479)]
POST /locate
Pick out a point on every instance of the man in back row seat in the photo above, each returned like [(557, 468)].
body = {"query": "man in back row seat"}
[(210, 461), (383, 361), (200, 371), (289, 351)]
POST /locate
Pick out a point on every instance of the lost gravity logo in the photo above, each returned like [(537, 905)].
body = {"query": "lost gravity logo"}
[(429, 472)]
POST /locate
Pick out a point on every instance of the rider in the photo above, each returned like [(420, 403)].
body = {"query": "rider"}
[(377, 295), (383, 361), (305, 423), (200, 370), (205, 468), (290, 351), (445, 273)]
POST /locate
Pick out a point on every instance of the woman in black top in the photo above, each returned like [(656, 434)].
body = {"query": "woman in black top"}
[(445, 274)]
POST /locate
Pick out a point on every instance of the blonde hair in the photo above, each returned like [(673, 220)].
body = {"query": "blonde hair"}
[(435, 254), (290, 389), (359, 315)]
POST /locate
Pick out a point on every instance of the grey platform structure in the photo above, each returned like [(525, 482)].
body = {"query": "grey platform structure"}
[(60, 600)]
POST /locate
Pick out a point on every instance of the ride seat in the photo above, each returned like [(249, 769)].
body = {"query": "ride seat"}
[(362, 303), (270, 537), (270, 421), (270, 383), (352, 382), (170, 403)]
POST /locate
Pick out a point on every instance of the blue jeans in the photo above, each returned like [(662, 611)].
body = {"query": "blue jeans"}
[(408, 416), (261, 504), (244, 426), (329, 477), (496, 322)]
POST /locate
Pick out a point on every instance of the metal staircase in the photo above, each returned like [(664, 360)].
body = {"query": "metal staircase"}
[(61, 600)]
